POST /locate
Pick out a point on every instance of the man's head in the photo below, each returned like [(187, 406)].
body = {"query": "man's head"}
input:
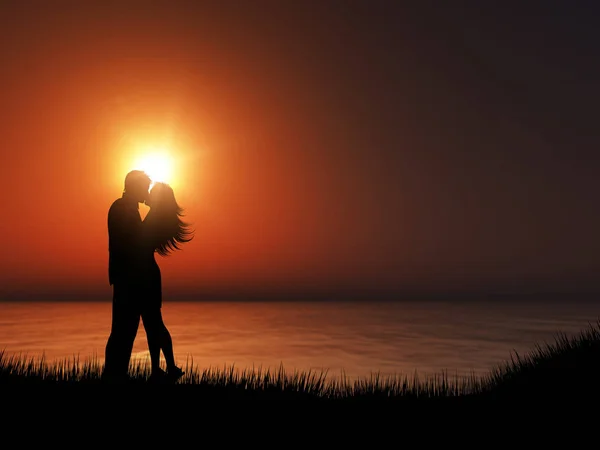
[(137, 183)]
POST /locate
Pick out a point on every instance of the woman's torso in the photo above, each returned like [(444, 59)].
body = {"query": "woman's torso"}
[(151, 269)]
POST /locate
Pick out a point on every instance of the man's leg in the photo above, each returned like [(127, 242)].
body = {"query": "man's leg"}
[(125, 323), (111, 352)]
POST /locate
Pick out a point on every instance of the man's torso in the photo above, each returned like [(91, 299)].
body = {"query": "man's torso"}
[(124, 230)]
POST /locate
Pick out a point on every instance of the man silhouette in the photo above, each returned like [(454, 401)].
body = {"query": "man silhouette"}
[(125, 273)]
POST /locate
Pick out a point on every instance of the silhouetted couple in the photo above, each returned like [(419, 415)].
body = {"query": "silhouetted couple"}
[(135, 275)]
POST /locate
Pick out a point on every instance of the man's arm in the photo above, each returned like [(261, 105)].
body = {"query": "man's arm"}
[(123, 228), (124, 233)]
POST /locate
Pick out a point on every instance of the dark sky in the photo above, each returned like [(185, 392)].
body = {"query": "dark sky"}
[(359, 146)]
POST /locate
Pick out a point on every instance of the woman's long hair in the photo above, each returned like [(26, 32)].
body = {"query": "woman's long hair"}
[(165, 229)]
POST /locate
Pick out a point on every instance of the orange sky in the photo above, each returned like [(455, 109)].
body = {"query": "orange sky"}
[(296, 169), (81, 110)]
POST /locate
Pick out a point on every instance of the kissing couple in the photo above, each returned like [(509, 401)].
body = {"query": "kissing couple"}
[(135, 276)]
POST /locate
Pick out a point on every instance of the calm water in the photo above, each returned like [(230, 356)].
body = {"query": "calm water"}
[(359, 338)]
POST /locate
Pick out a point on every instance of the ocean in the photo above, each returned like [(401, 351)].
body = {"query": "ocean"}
[(356, 339)]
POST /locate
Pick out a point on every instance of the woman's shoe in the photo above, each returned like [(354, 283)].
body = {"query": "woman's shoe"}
[(175, 373)]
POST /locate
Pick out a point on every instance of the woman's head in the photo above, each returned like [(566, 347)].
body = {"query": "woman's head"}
[(161, 196), (168, 230)]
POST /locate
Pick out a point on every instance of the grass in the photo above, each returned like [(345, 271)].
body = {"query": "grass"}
[(568, 366)]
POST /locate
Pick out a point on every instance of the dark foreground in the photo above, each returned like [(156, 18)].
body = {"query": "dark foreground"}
[(558, 379)]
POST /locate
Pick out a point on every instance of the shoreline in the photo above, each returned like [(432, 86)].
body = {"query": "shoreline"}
[(569, 367)]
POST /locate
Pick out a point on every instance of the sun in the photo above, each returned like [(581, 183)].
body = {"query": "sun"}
[(158, 164)]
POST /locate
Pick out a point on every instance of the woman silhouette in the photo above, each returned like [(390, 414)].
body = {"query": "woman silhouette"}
[(162, 232)]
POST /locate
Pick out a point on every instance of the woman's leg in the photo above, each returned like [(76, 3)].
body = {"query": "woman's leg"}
[(167, 348), (152, 324), (166, 344), (161, 339)]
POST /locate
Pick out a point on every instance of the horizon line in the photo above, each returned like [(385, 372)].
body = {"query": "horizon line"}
[(334, 296)]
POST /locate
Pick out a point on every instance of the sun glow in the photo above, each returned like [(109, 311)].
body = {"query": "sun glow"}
[(164, 159), (158, 164)]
